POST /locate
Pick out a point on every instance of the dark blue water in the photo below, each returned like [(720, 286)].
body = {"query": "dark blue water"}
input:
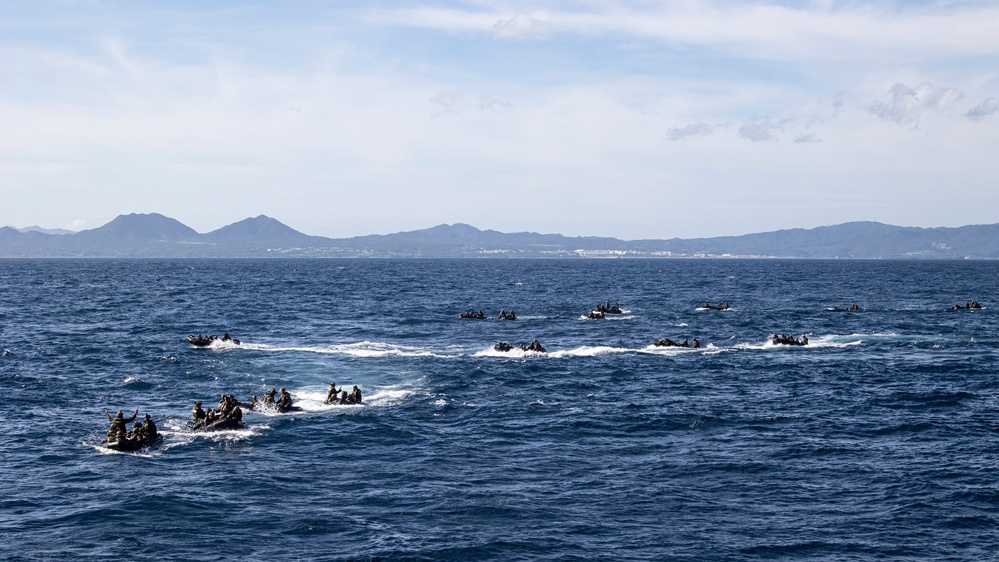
[(879, 440)]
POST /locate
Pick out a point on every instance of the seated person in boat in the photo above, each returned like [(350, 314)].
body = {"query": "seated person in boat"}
[(331, 394), (149, 430), (284, 401), (536, 346), (136, 433), (198, 414)]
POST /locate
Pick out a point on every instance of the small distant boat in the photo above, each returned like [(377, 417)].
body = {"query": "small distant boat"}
[(666, 342), (534, 346), (788, 340), (608, 308), (205, 341)]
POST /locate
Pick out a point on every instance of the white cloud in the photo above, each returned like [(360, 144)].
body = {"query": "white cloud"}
[(983, 110), (762, 129), (446, 100), (907, 104), (691, 130), (804, 138), (522, 27), (862, 31), (489, 103)]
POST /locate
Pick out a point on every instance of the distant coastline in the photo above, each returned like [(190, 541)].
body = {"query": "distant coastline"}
[(156, 236)]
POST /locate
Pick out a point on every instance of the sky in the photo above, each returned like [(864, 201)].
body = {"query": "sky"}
[(634, 119)]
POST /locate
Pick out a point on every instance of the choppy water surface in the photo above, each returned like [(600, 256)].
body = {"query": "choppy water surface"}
[(879, 440)]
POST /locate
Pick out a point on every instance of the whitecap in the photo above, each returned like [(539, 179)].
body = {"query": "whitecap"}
[(359, 349), (588, 351)]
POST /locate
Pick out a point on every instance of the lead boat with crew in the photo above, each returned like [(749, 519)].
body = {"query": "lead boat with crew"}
[(205, 341)]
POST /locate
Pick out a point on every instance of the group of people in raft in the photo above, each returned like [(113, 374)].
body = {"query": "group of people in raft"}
[(607, 308), (142, 433), (666, 342), (340, 396), (533, 346), (228, 415), (201, 340), (788, 340), (503, 315)]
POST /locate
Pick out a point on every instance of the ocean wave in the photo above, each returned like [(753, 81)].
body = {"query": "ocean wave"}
[(176, 433), (589, 351), (359, 349)]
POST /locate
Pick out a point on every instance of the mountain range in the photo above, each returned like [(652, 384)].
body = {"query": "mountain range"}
[(156, 236)]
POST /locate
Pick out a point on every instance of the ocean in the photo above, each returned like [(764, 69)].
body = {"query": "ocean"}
[(879, 440)]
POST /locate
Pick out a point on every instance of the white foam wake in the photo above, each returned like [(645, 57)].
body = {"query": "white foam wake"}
[(360, 349)]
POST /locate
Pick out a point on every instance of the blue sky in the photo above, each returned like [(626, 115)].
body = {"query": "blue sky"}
[(633, 119)]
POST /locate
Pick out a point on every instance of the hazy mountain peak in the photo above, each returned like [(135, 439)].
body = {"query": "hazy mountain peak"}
[(36, 228), (138, 226), (259, 229)]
